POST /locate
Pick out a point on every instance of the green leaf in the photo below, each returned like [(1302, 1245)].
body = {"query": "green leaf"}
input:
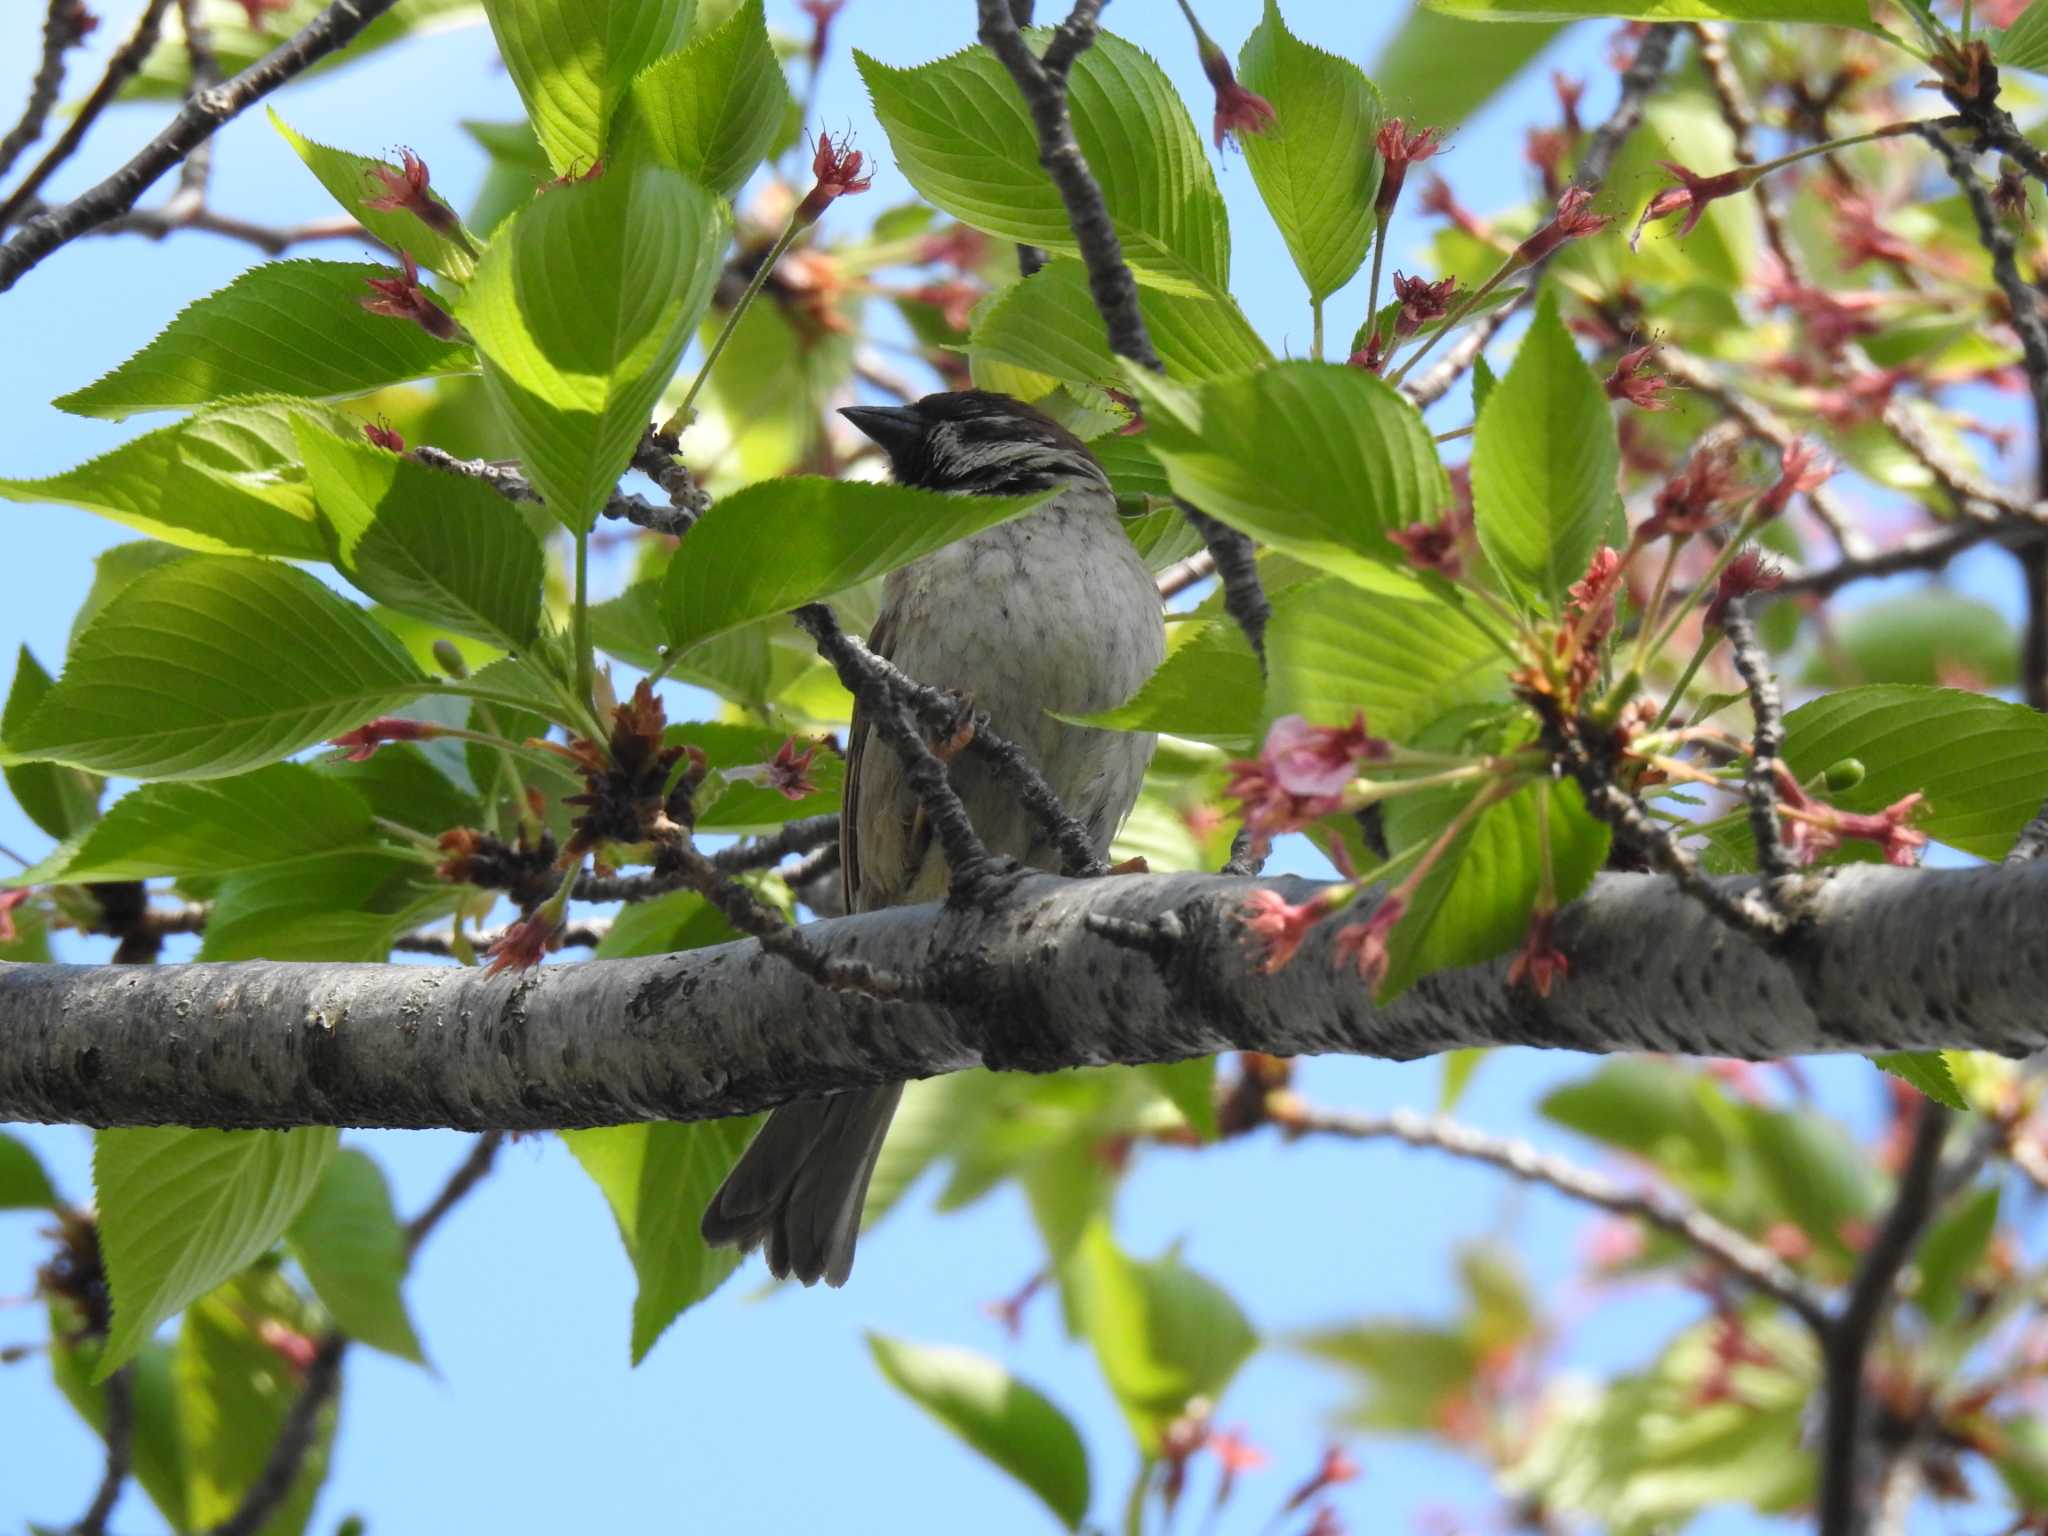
[(1929, 637), (1982, 763), (573, 62), (1012, 1424), (581, 308), (1409, 1372), (963, 138), (336, 906), (351, 180), (777, 545), (1191, 1087), (1928, 1071), (348, 1241), (23, 1184), (1813, 1171), (2024, 44), (224, 482), (1655, 1110), (1483, 382), (711, 110), (164, 685), (1047, 323), (219, 827), (1395, 650), (679, 920), (158, 1440), (658, 1179), (1163, 1333), (166, 75), (1459, 1066), (1316, 459), (1209, 689), (1315, 164), (936, 1118), (1447, 69), (1836, 13), (1476, 903), (235, 1392), (1544, 461), (182, 1210), (404, 785), (62, 801), (444, 547), (284, 328), (1953, 1249)]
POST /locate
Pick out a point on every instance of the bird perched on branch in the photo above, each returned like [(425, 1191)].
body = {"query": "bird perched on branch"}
[(1051, 611)]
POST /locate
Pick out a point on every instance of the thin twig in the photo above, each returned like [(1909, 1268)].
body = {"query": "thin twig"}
[(194, 174), (63, 26), (1653, 57), (120, 1438), (126, 60), (1182, 574), (441, 941), (1846, 1338), (1711, 45), (195, 123), (510, 482), (1767, 745), (1749, 1262), (941, 711), (886, 709)]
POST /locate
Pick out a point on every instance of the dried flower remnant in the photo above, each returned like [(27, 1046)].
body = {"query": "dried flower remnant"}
[(1400, 149), (1364, 945), (1749, 572), (1539, 963), (362, 743), (1693, 195), (1573, 220), (1634, 380), (788, 773), (403, 298), (407, 190), (836, 171), (1279, 925), (1801, 467), (525, 942), (1421, 302), (381, 434)]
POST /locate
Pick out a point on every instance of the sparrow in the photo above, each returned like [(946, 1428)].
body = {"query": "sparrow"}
[(1051, 611)]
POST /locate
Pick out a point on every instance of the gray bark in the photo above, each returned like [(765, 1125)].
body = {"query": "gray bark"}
[(1894, 959)]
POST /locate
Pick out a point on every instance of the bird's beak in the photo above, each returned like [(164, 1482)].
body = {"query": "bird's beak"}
[(895, 427)]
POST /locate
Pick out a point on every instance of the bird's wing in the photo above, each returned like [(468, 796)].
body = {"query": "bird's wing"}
[(884, 838)]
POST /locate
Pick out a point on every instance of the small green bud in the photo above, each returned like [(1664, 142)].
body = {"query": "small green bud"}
[(1846, 774), (450, 659)]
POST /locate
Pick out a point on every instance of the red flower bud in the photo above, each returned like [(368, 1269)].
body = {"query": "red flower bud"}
[(407, 190), (1574, 220), (837, 172), (403, 298)]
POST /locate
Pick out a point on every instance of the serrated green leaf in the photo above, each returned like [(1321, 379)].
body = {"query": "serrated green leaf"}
[(1162, 1333), (284, 328), (679, 920), (161, 686), (443, 547), (1315, 164), (336, 906), (777, 545), (581, 309), (224, 482), (573, 61), (1476, 903), (1929, 637), (1836, 13), (1544, 460), (1395, 650), (352, 181), (1982, 763), (711, 110), (1483, 382), (23, 1184), (1048, 324), (1012, 1424), (1208, 689), (62, 801), (217, 827), (1316, 459), (658, 1179), (1951, 1252), (1440, 70), (2024, 44), (349, 1242), (182, 1211), (1928, 1071), (235, 1391), (1191, 1088), (962, 136), (1458, 1068), (115, 570)]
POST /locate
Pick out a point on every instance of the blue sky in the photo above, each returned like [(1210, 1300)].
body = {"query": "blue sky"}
[(765, 1414)]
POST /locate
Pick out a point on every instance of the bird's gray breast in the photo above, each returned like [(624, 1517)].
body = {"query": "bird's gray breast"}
[(1051, 612)]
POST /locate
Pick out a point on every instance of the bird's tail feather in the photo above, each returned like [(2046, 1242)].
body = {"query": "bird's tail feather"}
[(799, 1188)]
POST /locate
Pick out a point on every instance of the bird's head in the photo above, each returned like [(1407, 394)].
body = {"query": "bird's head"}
[(978, 442)]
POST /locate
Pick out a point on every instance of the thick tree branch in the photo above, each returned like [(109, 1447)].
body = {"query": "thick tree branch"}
[(1760, 785), (1747, 1261), (1892, 960), (195, 123)]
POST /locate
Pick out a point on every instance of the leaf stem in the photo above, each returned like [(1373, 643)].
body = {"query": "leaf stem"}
[(1708, 641), (586, 667), (1316, 309), (683, 415)]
